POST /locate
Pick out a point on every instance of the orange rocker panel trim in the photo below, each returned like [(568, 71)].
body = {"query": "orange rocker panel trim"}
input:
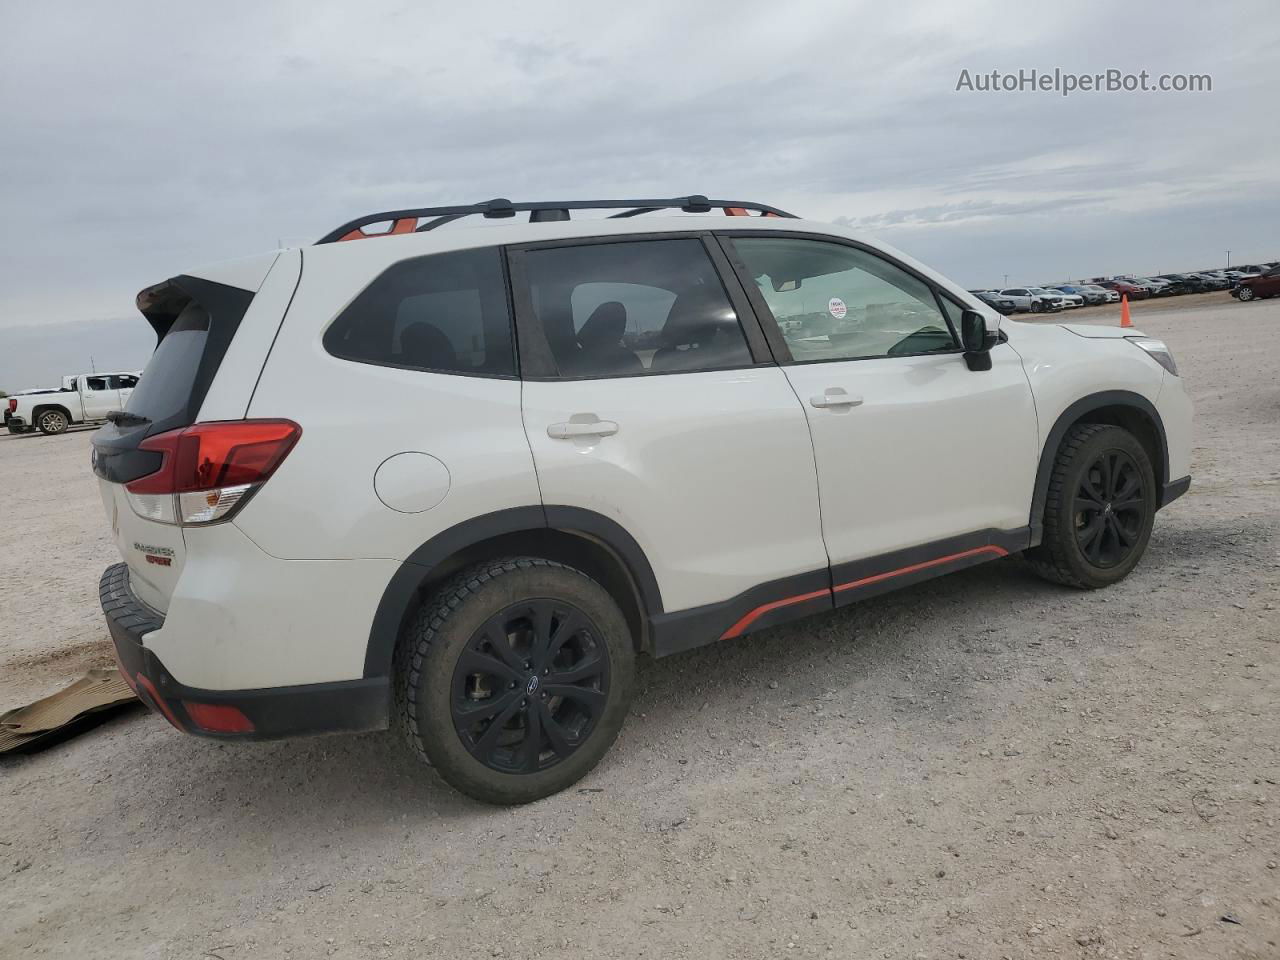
[(738, 628)]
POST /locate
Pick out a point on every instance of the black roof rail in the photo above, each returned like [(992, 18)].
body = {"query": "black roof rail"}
[(407, 221)]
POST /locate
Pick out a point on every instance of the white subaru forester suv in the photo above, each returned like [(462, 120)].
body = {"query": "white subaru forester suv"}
[(456, 480)]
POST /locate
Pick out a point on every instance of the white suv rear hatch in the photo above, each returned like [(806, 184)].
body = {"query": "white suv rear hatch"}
[(195, 319)]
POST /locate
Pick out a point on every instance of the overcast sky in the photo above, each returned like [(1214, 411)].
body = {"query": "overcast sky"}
[(142, 139)]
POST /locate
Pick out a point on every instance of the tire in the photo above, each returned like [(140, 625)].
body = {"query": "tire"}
[(1244, 294), (1121, 521), (52, 421), (1037, 306), (493, 616)]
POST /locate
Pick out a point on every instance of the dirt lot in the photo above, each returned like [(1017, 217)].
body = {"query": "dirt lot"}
[(984, 766)]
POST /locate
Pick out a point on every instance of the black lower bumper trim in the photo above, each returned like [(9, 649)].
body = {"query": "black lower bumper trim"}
[(1172, 491), (344, 706)]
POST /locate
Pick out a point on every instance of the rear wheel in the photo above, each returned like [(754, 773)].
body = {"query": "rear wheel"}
[(515, 679), (52, 421), (1100, 508)]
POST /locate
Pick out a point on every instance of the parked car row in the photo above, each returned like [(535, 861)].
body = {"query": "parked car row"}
[(1245, 283), (1044, 299)]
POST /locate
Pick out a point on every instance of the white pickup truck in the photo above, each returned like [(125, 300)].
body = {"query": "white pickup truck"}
[(84, 398)]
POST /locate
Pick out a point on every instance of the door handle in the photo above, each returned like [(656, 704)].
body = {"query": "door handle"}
[(834, 397), (575, 428)]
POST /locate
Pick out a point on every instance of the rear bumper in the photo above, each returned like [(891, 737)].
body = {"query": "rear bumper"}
[(345, 706)]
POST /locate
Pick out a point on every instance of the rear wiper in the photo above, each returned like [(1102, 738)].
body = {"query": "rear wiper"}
[(123, 418)]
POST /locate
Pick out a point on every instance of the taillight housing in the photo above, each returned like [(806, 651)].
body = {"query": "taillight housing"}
[(13, 404), (209, 470)]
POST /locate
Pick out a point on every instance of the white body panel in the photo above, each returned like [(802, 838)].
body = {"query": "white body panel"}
[(1063, 366), (97, 397), (239, 619), (1174, 407), (321, 504), (712, 473), (247, 273), (933, 450), (228, 396), (137, 539)]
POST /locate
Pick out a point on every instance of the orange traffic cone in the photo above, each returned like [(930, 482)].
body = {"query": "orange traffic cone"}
[(1124, 311)]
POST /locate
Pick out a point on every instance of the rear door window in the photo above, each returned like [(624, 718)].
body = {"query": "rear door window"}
[(444, 312), (633, 307)]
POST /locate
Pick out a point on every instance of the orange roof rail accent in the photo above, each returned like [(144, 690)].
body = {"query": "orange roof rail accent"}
[(406, 225)]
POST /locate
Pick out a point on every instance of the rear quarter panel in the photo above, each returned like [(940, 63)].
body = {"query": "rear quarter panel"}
[(321, 504)]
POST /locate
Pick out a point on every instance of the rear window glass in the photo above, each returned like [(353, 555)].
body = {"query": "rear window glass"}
[(631, 308), (445, 312), (168, 381)]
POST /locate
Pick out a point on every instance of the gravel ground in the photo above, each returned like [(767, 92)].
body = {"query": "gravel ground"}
[(984, 766)]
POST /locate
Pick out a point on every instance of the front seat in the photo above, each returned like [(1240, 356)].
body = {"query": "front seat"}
[(695, 338), (425, 345), (600, 340)]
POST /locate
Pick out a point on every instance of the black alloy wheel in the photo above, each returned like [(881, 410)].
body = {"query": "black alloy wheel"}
[(1099, 508), (514, 678), (530, 686), (1110, 509)]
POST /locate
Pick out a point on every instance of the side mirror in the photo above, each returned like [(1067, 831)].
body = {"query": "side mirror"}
[(976, 340)]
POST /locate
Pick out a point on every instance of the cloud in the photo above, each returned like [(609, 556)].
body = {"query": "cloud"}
[(172, 136)]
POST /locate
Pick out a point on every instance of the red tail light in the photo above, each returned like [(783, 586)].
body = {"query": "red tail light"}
[(13, 404), (217, 718), (209, 468)]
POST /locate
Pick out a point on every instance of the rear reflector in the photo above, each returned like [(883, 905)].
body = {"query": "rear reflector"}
[(217, 718), (209, 469)]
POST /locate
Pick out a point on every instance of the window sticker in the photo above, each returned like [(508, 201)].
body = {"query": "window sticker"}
[(836, 307)]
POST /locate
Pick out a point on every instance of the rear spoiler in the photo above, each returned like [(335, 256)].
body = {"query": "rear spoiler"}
[(237, 280), (162, 303)]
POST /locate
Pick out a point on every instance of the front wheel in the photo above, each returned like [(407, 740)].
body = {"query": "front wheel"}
[(1100, 508), (1244, 294), (52, 421), (515, 679)]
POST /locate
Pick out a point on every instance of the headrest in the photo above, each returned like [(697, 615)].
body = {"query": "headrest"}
[(692, 320), (606, 325)]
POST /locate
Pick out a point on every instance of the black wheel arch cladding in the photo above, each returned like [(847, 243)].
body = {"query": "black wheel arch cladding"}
[(401, 595), (1109, 406)]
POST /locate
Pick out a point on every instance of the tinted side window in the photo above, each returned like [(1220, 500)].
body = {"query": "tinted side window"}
[(124, 381), (95, 383), (613, 309), (835, 302), (445, 312)]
